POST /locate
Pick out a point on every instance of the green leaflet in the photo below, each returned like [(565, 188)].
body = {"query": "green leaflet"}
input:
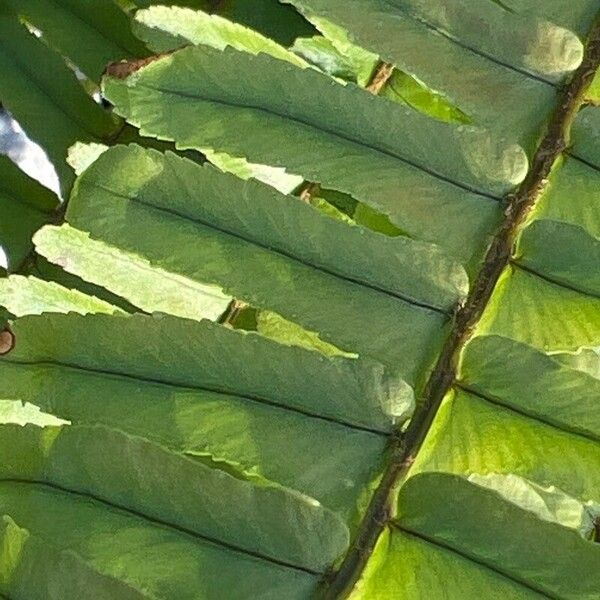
[(252, 462), (329, 133), (536, 384), (422, 569), (414, 270), (402, 87), (575, 15), (486, 29), (364, 215), (363, 62), (147, 479), (593, 94), (134, 388), (29, 295), (334, 54), (25, 206), (548, 316), (82, 155), (129, 276), (279, 22), (319, 51), (62, 546), (563, 253), (473, 435), (248, 239), (480, 524), (549, 504), (42, 269), (165, 28), (355, 391), (230, 431), (459, 549), (572, 196), (468, 64), (586, 136), (470, 155), (92, 33), (44, 96)]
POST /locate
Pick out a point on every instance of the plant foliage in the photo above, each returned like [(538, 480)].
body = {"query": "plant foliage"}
[(318, 313)]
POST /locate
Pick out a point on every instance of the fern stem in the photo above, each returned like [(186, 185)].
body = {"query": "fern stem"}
[(403, 448)]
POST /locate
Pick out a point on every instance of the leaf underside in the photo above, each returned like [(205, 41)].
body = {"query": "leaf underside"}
[(166, 454)]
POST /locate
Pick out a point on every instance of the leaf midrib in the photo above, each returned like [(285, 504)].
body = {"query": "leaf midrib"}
[(288, 255), (439, 544), (157, 522), (458, 42), (429, 171), (553, 280), (198, 388), (531, 415)]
